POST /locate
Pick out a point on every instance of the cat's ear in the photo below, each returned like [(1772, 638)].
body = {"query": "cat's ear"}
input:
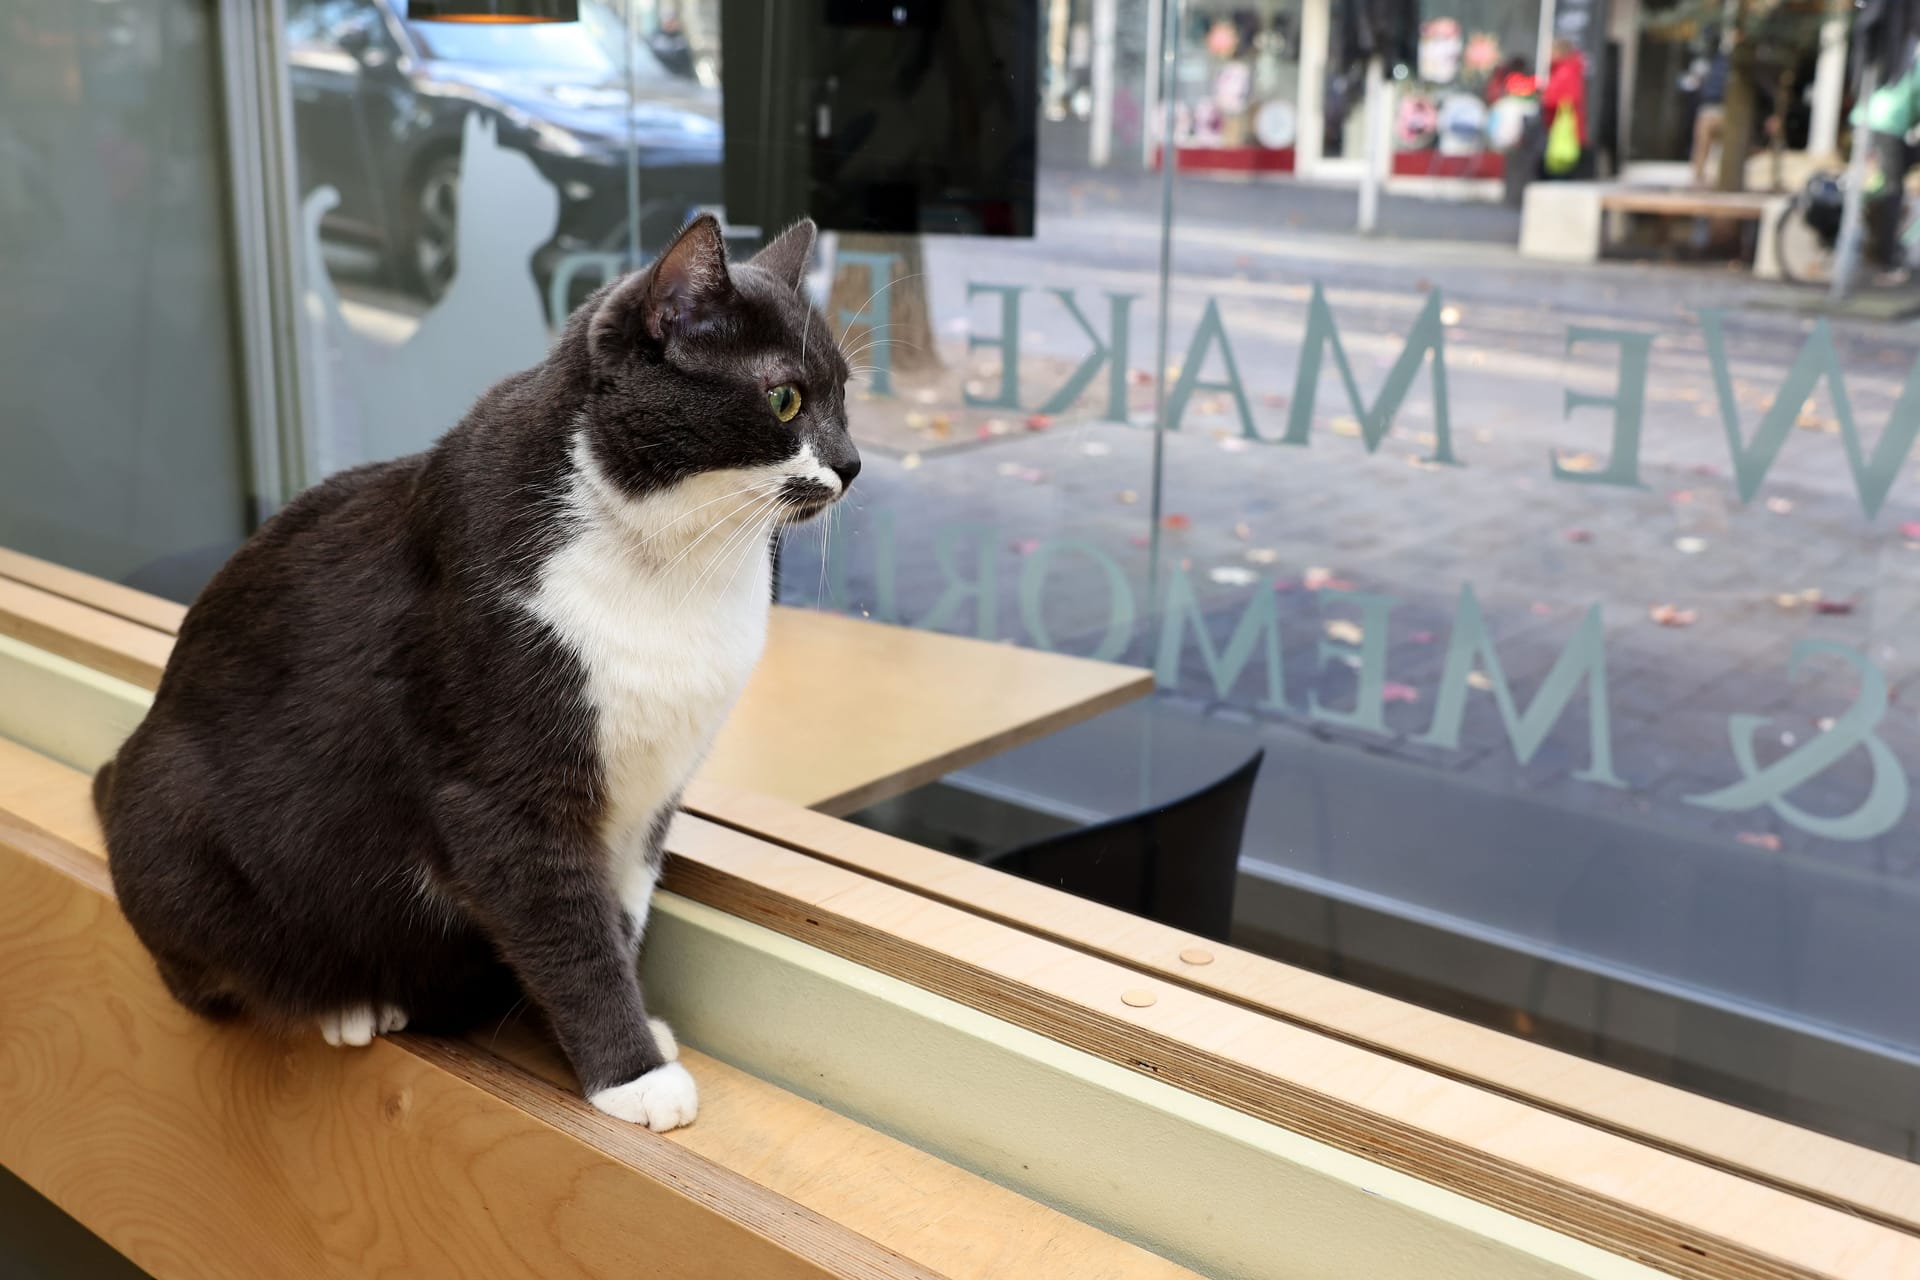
[(684, 289), (786, 258)]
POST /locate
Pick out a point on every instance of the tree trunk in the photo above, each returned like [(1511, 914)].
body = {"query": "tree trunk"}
[(1736, 139), (869, 296), (1777, 129)]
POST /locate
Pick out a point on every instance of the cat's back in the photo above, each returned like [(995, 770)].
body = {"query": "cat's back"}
[(339, 558)]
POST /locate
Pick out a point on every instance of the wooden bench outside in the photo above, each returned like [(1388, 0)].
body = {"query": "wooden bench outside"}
[(1569, 221), (1744, 206)]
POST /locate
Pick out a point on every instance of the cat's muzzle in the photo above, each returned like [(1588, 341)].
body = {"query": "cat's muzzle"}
[(802, 499)]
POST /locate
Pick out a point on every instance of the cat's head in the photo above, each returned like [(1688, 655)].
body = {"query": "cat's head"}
[(709, 378)]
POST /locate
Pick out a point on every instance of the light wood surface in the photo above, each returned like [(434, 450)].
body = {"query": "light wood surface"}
[(840, 713), (789, 1165), (1866, 1182), (72, 630), (202, 1152), (1639, 1201), (1879, 1187), (1687, 204), (1596, 1185), (83, 588)]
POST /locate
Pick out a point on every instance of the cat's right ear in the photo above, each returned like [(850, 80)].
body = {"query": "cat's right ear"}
[(683, 291)]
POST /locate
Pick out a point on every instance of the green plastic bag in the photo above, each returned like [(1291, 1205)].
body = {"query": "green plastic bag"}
[(1563, 143)]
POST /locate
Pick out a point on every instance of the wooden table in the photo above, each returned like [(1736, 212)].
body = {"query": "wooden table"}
[(841, 712)]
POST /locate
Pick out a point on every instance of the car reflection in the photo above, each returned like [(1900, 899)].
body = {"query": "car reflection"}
[(378, 108)]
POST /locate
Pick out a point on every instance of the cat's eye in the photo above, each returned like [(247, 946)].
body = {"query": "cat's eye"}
[(785, 400)]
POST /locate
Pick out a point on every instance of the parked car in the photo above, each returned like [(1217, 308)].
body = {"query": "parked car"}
[(379, 106)]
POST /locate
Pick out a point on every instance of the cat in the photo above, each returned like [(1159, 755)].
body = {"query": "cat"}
[(416, 749)]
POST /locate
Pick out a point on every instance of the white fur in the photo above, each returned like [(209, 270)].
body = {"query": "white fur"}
[(664, 600), (664, 1039), (664, 1098), (636, 894)]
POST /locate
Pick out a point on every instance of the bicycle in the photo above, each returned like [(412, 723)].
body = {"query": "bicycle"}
[(1808, 231)]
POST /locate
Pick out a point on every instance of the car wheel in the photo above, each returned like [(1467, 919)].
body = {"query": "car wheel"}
[(426, 255)]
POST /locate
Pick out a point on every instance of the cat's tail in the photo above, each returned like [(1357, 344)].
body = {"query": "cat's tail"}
[(103, 790)]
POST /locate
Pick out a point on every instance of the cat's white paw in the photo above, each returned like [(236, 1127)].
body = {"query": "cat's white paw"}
[(662, 1099), (663, 1037), (359, 1025)]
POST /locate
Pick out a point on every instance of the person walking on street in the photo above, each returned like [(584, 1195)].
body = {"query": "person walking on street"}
[(1710, 116), (1566, 91)]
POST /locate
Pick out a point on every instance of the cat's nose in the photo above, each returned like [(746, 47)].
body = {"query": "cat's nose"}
[(847, 471)]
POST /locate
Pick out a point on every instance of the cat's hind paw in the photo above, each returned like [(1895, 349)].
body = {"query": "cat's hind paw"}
[(358, 1025), (664, 1098)]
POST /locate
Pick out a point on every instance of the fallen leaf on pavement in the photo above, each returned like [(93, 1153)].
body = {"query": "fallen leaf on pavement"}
[(1174, 520), (1345, 631), (1243, 531), (1346, 426), (1477, 679), (1262, 555), (1127, 497), (1027, 546), (1397, 692), (1833, 606), (1760, 840), (1579, 462), (1780, 506), (1579, 535), (1672, 615), (1038, 422)]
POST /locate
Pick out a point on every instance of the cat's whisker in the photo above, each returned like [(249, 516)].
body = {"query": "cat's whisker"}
[(755, 520), (754, 501), (826, 545), (861, 309), (758, 484)]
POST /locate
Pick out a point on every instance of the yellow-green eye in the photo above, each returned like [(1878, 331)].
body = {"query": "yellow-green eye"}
[(785, 400)]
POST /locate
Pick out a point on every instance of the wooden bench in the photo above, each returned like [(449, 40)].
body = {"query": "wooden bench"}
[(1569, 221)]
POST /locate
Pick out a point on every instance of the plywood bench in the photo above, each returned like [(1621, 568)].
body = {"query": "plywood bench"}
[(1569, 221)]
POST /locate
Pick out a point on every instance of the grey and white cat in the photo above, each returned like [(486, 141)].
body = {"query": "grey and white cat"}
[(418, 744)]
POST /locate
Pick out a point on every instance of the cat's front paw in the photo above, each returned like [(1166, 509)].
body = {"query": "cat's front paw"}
[(662, 1099)]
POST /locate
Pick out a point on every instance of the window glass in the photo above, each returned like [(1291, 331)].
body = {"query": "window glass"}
[(1518, 520), (121, 447)]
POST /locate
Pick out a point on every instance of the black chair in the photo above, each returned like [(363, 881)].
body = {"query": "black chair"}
[(1175, 863)]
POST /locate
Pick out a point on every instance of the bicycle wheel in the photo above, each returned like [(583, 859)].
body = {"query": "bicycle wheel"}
[(1805, 256)]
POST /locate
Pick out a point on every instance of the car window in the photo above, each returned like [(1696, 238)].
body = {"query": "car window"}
[(319, 24)]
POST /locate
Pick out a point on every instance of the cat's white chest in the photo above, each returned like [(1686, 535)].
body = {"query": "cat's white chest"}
[(664, 657)]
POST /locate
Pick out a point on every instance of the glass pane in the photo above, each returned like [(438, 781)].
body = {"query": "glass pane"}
[(464, 186), (122, 449), (1564, 597)]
